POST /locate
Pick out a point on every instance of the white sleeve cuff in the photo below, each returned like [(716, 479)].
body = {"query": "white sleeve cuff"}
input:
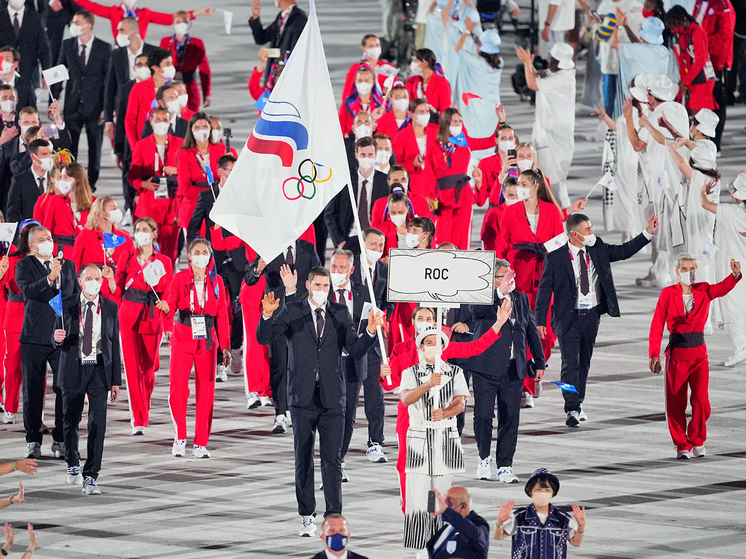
[(647, 235)]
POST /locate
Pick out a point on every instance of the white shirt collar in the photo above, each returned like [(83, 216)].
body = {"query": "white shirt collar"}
[(89, 43), (13, 12), (330, 556), (84, 302), (12, 81), (314, 307), (575, 250), (38, 176), (287, 10)]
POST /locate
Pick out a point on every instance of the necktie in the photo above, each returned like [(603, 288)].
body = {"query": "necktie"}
[(319, 321), (41, 185), (584, 285), (48, 266), (81, 56), (362, 206), (16, 25), (289, 260), (88, 330), (341, 296)]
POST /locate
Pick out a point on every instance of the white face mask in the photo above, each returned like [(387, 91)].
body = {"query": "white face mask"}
[(414, 68), (123, 40), (65, 186), (509, 202), (142, 73), (506, 145), (525, 164), (412, 240), (422, 120), (143, 238), (9, 106), (75, 30), (92, 287), (400, 104), (363, 131), (373, 53), (17, 4), (130, 3), (523, 193), (160, 128), (45, 163), (338, 279), (173, 106), (169, 72), (455, 130), (181, 28), (7, 67), (183, 100), (541, 499), (366, 163), (687, 278), (201, 135), (383, 157), (201, 260), (373, 256), (319, 297), (363, 88), (45, 249), (430, 352), (216, 134), (398, 219), (115, 216), (589, 240), (420, 327)]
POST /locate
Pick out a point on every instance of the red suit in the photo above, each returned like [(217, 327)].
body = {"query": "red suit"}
[(719, 23), (379, 215), (491, 186), (141, 328), (115, 14), (349, 87), (255, 84), (139, 104), (686, 367), (89, 248), (437, 92), (55, 213), (12, 317), (191, 58), (406, 151), (491, 226), (162, 210), (387, 125), (192, 179), (187, 352), (694, 59), (351, 106)]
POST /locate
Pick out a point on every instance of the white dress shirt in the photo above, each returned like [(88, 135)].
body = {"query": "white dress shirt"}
[(12, 13), (512, 318), (88, 46), (11, 82), (347, 297), (285, 14), (43, 176), (323, 308), (55, 283), (96, 310), (131, 60), (592, 275), (368, 194), (330, 556)]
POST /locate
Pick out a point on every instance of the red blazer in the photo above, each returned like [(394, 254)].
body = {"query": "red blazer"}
[(192, 180), (349, 87), (419, 203), (437, 92), (255, 84), (89, 248), (491, 226), (138, 108), (186, 113), (490, 167), (387, 125), (692, 62), (55, 213), (389, 232), (193, 59), (670, 311), (348, 110), (116, 13), (177, 296), (162, 210), (719, 24), (515, 229), (406, 151), (13, 315)]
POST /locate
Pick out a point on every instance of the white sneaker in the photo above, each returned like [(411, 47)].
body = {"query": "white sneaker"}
[(581, 415), (126, 219), (33, 450), (288, 418), (345, 477), (484, 468), (253, 401), (179, 448), (222, 374), (90, 487), (573, 419), (58, 449), (683, 455), (266, 401), (375, 454), (138, 430), (9, 418), (308, 527), (699, 451), (527, 400), (200, 452), (236, 361), (734, 359), (281, 425), (74, 477), (506, 475)]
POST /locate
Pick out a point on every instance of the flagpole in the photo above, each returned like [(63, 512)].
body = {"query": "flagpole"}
[(368, 277)]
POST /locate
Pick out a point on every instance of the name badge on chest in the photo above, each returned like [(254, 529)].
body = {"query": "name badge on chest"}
[(584, 301), (90, 360), (199, 328)]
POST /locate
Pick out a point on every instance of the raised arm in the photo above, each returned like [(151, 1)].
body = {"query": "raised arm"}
[(681, 163)]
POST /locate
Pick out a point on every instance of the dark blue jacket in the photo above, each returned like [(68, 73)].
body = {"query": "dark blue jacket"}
[(469, 539)]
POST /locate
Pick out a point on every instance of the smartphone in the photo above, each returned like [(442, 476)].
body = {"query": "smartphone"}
[(274, 53), (513, 153), (431, 501), (50, 132)]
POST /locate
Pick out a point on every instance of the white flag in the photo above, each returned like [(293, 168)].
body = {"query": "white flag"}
[(553, 244), (153, 273), (55, 74), (607, 181), (295, 160), (227, 21), (8, 232)]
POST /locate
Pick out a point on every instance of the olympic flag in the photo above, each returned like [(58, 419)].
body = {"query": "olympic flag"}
[(294, 161)]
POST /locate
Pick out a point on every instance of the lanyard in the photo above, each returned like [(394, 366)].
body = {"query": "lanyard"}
[(159, 161), (448, 151), (76, 223), (203, 163), (193, 294), (140, 271)]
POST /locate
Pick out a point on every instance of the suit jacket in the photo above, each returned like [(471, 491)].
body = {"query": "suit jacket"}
[(25, 92), (118, 73), (182, 126), (39, 319), (69, 374), (350, 555), (120, 133), (84, 91), (309, 355), (380, 283), (32, 41), (338, 213), (306, 258), (495, 360), (469, 539), (201, 214), (558, 278), (23, 193), (286, 40)]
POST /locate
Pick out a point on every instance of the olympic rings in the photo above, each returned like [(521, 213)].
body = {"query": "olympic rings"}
[(302, 179)]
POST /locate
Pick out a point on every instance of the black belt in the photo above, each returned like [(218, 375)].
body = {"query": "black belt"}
[(185, 317), (13, 296), (188, 76), (453, 181), (142, 297), (65, 240), (534, 248), (686, 340), (592, 310)]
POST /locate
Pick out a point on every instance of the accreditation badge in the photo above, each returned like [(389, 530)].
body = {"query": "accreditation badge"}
[(199, 328)]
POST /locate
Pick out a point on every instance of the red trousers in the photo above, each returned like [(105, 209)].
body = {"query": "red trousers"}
[(256, 356), (13, 372), (680, 377), (140, 352), (204, 384), (168, 241), (454, 226)]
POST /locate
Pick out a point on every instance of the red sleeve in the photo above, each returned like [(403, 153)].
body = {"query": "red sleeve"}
[(719, 30), (701, 55), (400, 152), (463, 350), (442, 96), (399, 361), (722, 288), (138, 167), (345, 120), (255, 84), (349, 82), (224, 330), (429, 181), (120, 276), (481, 143), (657, 324), (490, 228), (161, 18), (205, 76), (483, 194), (96, 9), (79, 250), (504, 235), (131, 117)]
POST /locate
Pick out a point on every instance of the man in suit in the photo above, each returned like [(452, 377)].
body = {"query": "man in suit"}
[(40, 277), (23, 29), (90, 364), (499, 372), (578, 274), (282, 33), (316, 331), (300, 258), (368, 185), (167, 97), (335, 533), (26, 187), (10, 58), (87, 60), (464, 534)]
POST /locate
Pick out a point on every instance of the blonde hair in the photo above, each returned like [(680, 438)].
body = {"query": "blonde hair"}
[(529, 146), (96, 216), (83, 195)]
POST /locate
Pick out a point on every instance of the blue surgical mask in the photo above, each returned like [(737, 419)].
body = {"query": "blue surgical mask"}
[(337, 542)]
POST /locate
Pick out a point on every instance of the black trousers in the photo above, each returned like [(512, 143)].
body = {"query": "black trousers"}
[(233, 281), (278, 374), (94, 384), (128, 191), (95, 133), (330, 425), (718, 93), (34, 359), (576, 348), (505, 389), (375, 409)]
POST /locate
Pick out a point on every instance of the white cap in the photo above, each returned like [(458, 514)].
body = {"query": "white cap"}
[(432, 332), (640, 90), (704, 155), (707, 122), (739, 186), (563, 53), (661, 87)]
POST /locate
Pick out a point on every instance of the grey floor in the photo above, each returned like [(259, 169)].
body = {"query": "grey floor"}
[(640, 501)]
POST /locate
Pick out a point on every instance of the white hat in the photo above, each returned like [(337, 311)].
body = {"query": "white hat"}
[(661, 87), (739, 186), (704, 155), (640, 90), (707, 122), (563, 53), (432, 332)]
